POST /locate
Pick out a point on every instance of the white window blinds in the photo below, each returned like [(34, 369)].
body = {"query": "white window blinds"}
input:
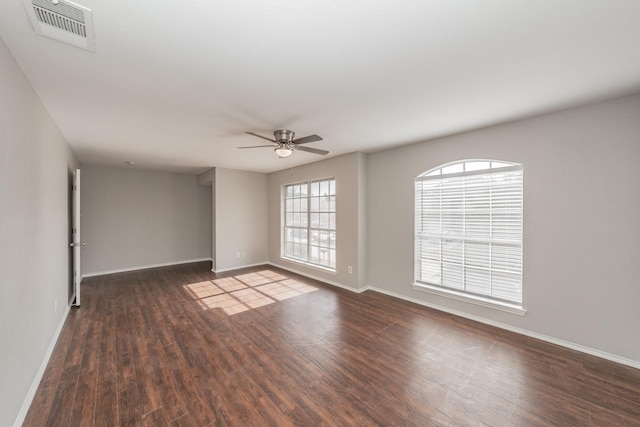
[(468, 236)]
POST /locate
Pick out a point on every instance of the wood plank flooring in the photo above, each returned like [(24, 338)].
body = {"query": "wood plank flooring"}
[(181, 346)]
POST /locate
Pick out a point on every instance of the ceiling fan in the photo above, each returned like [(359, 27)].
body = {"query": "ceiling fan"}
[(285, 144)]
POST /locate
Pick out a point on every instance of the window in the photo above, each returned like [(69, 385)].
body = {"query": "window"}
[(468, 235), (310, 223)]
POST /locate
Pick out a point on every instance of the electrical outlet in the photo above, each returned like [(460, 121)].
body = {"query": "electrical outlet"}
[(244, 254), (237, 254), (350, 270)]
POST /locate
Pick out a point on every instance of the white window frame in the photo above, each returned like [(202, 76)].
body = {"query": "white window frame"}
[(315, 217), (468, 237)]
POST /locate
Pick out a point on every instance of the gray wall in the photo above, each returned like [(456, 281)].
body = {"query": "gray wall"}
[(240, 217), (134, 219), (35, 161), (348, 170), (581, 212)]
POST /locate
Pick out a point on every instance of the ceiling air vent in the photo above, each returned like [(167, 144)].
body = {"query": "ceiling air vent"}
[(63, 21)]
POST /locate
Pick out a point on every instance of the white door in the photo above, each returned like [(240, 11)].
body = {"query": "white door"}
[(77, 243)]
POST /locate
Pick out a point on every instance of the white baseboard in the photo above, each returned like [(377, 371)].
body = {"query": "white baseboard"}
[(536, 335), (239, 267), (320, 279), (26, 404), (144, 267)]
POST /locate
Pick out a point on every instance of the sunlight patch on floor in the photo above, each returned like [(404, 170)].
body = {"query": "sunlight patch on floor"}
[(246, 291)]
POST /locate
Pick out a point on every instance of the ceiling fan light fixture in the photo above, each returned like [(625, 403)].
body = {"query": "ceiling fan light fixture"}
[(284, 142), (283, 151)]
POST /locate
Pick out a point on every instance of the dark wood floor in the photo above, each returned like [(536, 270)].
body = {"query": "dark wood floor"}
[(178, 346)]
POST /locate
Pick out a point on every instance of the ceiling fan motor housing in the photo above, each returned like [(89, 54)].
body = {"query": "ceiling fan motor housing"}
[(284, 136)]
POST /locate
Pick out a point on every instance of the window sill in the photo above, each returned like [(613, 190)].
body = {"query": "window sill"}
[(485, 302), (309, 265)]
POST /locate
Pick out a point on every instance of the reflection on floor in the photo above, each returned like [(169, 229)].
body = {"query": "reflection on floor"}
[(246, 291)]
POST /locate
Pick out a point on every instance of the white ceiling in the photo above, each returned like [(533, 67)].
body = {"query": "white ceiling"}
[(174, 84)]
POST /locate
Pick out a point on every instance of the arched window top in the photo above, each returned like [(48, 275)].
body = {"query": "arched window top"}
[(469, 166), (468, 232)]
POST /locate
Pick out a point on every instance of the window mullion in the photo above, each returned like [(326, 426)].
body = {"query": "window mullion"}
[(464, 234), (441, 238), (490, 207), (308, 220)]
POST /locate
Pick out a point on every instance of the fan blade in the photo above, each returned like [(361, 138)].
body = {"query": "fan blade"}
[(263, 137), (257, 146), (307, 139), (313, 150)]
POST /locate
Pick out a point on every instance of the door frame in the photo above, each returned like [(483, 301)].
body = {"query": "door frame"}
[(76, 238)]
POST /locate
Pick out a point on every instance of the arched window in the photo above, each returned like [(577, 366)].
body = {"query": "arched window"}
[(468, 231)]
